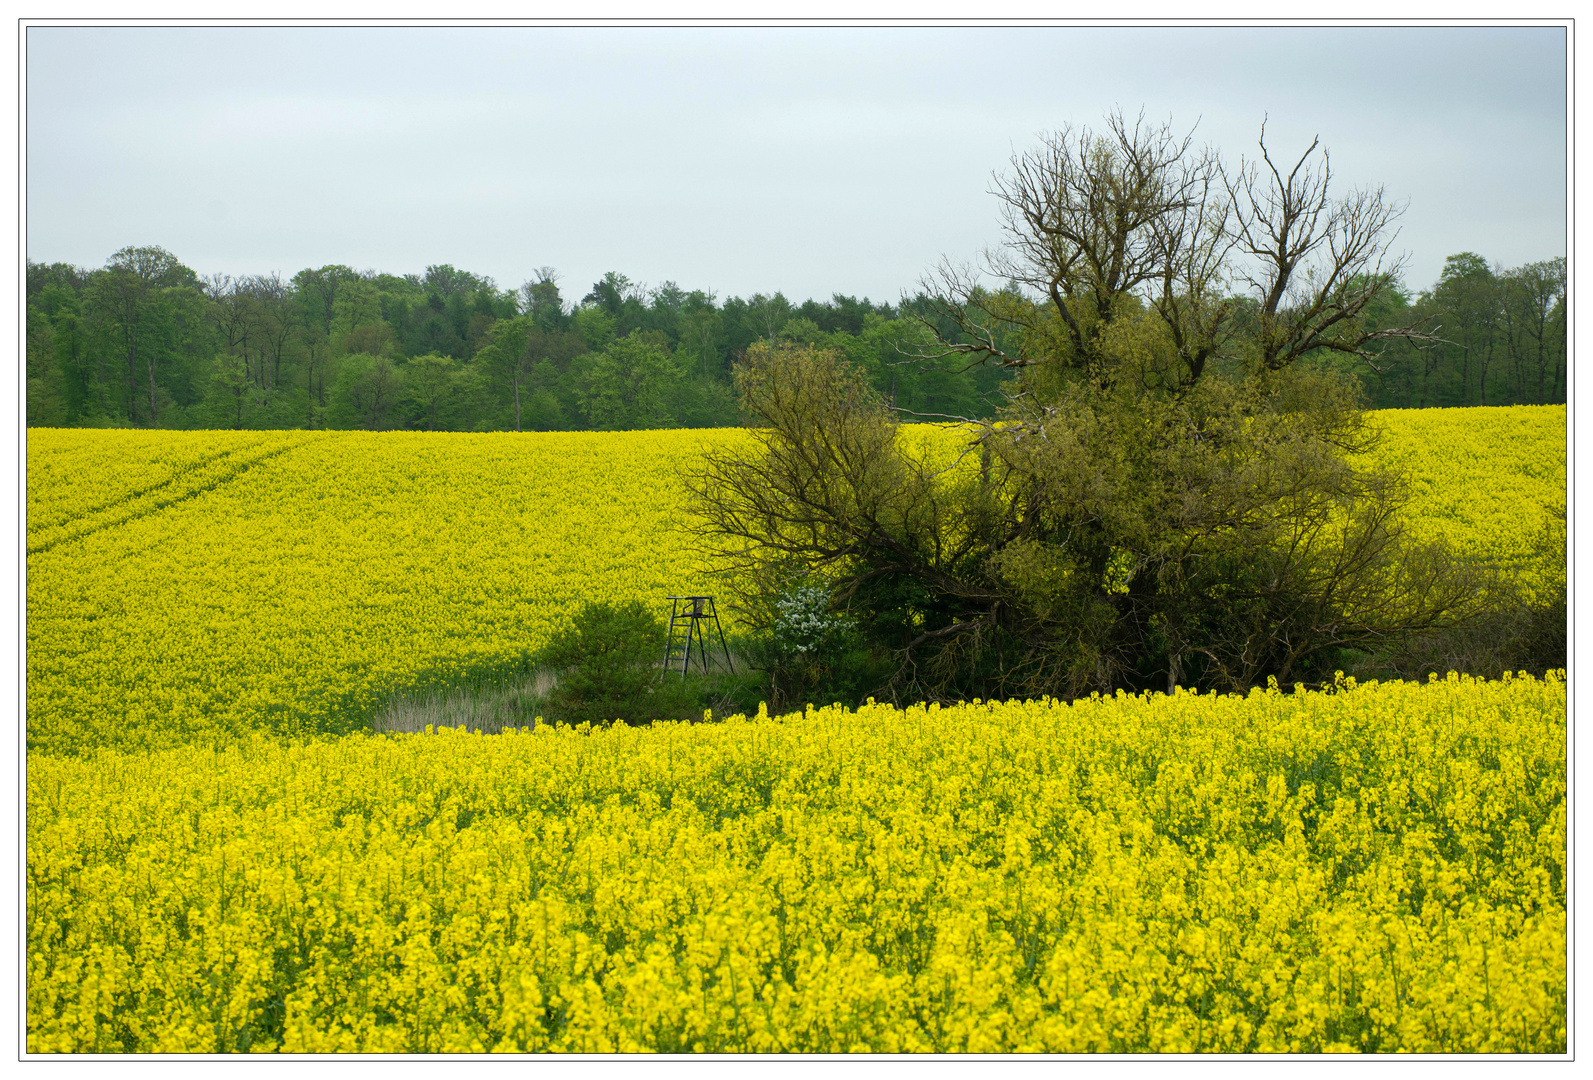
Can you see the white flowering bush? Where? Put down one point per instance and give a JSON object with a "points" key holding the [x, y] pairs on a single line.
{"points": [[804, 623], [809, 652]]}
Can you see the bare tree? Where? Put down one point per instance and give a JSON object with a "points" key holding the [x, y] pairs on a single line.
{"points": [[1313, 264], [1093, 219], [1106, 225]]}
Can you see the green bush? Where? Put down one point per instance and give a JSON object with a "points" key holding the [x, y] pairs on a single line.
{"points": [[607, 665], [606, 662]]}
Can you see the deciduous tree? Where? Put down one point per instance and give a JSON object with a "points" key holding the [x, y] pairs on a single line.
{"points": [[1170, 496], [627, 386], [130, 293]]}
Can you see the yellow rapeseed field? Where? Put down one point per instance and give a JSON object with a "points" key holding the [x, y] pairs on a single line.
{"points": [[1483, 479], [180, 583], [1380, 868], [1375, 868], [185, 583]]}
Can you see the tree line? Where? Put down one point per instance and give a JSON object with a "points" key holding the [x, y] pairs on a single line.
{"points": [[145, 341], [1500, 338]]}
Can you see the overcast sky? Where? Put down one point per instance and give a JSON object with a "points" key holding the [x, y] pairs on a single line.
{"points": [[810, 161]]}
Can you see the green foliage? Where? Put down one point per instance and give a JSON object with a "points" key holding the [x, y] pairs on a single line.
{"points": [[595, 326], [811, 653], [1501, 339], [1095, 539], [143, 341], [366, 393], [608, 664], [432, 382], [704, 403], [606, 661], [630, 384]]}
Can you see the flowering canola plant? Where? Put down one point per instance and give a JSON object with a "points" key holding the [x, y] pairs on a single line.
{"points": [[1373, 868], [183, 585]]}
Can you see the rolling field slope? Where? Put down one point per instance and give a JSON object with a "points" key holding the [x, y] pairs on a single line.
{"points": [[182, 582], [1376, 868]]}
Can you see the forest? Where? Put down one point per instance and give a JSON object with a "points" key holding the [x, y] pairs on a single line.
{"points": [[145, 341]]}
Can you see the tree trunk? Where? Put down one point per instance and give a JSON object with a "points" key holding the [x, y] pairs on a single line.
{"points": [[132, 379], [1542, 367], [517, 402]]}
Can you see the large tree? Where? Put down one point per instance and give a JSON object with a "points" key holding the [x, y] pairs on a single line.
{"points": [[1171, 494], [1540, 293], [1470, 298], [628, 385], [132, 293], [520, 349], [430, 380], [318, 292], [540, 299]]}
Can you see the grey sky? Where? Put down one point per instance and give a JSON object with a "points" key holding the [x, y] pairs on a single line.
{"points": [[806, 160]]}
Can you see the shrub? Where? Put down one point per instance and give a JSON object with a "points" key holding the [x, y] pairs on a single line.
{"points": [[811, 653], [606, 661]]}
